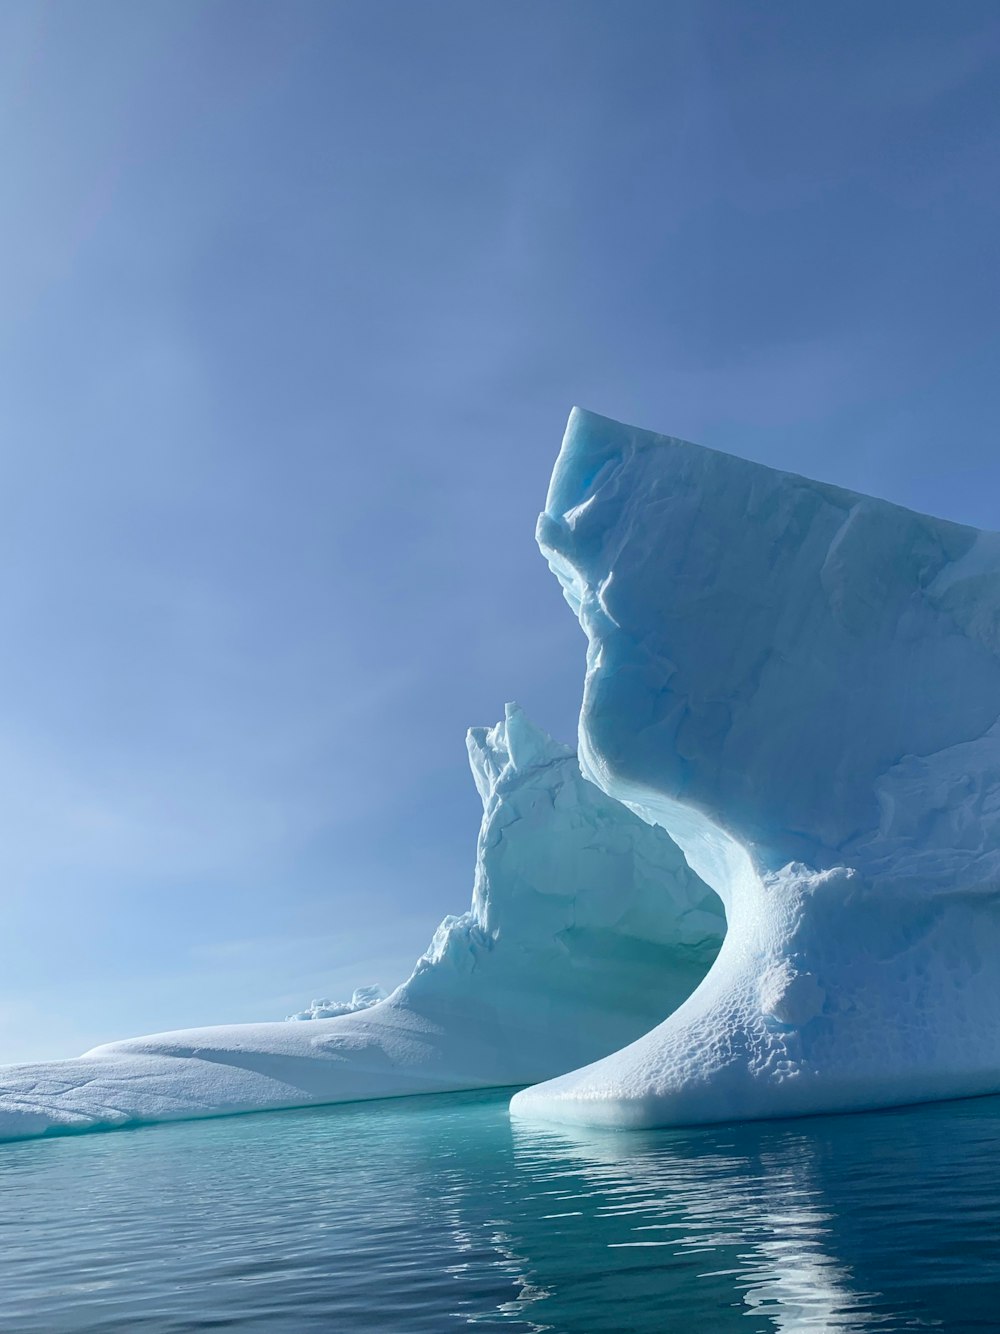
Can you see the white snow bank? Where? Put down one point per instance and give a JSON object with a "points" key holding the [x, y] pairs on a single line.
{"points": [[802, 686], [586, 927]]}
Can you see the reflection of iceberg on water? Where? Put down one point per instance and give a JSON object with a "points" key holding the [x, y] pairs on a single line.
{"points": [[586, 926], [750, 1217], [788, 1226]]}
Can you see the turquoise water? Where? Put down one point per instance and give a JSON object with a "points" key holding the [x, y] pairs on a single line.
{"points": [[438, 1214]]}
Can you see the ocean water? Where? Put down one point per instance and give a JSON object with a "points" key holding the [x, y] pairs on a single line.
{"points": [[439, 1214]]}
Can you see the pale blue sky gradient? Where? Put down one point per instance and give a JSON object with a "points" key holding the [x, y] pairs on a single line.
{"points": [[294, 300]]}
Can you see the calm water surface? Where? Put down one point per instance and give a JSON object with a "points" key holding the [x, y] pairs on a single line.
{"points": [[437, 1214]]}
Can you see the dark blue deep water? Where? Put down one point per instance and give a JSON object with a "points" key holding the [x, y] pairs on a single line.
{"points": [[438, 1214]]}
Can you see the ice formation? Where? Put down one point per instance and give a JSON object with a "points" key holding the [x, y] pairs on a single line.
{"points": [[363, 998], [586, 926], [802, 685]]}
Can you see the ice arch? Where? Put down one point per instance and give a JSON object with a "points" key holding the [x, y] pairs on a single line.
{"points": [[802, 685]]}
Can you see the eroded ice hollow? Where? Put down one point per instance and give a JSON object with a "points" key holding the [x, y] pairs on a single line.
{"points": [[802, 685], [586, 926]]}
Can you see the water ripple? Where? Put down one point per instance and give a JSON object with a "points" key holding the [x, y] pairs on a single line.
{"points": [[435, 1214]]}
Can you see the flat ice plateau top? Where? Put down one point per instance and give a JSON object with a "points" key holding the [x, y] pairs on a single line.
{"points": [[586, 927], [802, 686]]}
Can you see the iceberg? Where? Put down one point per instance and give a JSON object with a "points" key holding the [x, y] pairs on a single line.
{"points": [[801, 685], [586, 927]]}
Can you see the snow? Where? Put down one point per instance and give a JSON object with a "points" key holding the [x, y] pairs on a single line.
{"points": [[362, 998], [802, 686], [586, 926]]}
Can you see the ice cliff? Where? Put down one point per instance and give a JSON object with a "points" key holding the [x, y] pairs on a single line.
{"points": [[802, 686], [586, 927]]}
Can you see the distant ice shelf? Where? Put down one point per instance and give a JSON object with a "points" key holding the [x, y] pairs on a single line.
{"points": [[801, 685], [586, 927]]}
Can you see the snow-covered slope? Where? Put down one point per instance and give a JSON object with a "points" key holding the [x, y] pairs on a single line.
{"points": [[586, 927], [802, 685]]}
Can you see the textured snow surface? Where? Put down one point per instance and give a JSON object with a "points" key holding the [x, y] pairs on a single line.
{"points": [[586, 927], [802, 685], [362, 999]]}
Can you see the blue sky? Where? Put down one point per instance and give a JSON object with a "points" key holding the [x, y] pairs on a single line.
{"points": [[295, 300]]}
